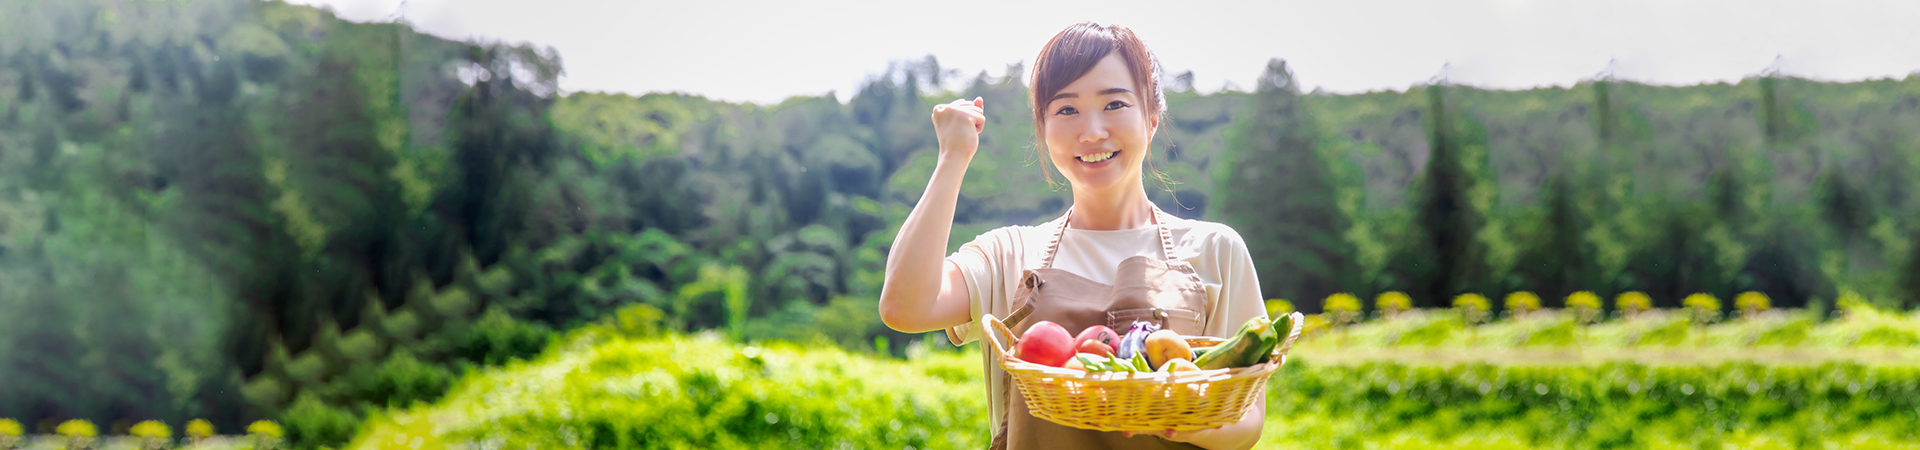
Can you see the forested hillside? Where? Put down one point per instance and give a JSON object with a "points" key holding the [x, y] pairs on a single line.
{"points": [[222, 208]]}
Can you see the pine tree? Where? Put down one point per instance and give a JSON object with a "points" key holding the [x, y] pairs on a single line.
{"points": [[1446, 210], [1280, 194]]}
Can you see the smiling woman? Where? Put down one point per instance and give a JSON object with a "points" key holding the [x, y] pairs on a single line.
{"points": [[1111, 260]]}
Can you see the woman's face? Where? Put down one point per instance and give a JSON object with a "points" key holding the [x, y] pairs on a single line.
{"points": [[1097, 128]]}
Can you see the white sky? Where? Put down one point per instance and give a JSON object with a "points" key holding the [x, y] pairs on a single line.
{"points": [[766, 51]]}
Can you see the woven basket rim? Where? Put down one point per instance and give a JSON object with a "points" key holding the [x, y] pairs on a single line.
{"points": [[996, 328]]}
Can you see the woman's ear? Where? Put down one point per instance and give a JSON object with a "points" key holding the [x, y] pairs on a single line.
{"points": [[1153, 126]]}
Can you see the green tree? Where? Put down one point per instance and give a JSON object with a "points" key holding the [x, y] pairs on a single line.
{"points": [[1282, 194], [1447, 208]]}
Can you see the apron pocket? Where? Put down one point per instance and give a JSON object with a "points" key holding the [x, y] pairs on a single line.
{"points": [[1183, 321]]}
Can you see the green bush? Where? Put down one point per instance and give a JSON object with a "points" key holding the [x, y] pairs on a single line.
{"points": [[403, 379], [604, 390], [497, 338], [310, 423], [1868, 331], [1612, 405]]}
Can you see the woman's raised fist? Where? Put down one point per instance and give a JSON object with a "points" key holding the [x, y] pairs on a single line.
{"points": [[958, 125]]}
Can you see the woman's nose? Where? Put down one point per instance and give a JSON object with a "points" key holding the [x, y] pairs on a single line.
{"points": [[1095, 130]]}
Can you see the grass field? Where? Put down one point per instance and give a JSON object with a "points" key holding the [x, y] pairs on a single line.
{"points": [[612, 392], [1420, 380]]}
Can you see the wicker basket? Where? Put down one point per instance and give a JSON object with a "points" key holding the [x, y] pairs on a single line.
{"points": [[1121, 401]]}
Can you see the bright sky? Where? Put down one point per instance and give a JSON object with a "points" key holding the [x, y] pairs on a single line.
{"points": [[766, 51]]}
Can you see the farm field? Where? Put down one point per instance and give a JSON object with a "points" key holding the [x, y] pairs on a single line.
{"points": [[603, 390], [1422, 379]]}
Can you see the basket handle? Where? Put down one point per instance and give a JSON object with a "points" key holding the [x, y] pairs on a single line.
{"points": [[1286, 343], [1001, 337]]}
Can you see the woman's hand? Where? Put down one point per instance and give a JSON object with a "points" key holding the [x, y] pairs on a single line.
{"points": [[1239, 435], [958, 127], [1171, 435]]}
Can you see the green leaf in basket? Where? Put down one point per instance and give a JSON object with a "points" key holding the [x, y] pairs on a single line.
{"points": [[1093, 363], [1140, 363]]}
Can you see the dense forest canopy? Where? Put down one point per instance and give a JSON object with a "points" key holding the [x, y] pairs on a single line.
{"points": [[227, 209]]}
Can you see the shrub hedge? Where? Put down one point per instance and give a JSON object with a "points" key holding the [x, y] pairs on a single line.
{"points": [[600, 390], [608, 391], [1610, 405]]}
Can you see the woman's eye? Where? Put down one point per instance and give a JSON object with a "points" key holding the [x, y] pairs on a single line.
{"points": [[1116, 105], [1067, 111]]}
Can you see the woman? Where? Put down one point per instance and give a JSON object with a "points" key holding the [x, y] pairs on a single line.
{"points": [[1112, 259]]}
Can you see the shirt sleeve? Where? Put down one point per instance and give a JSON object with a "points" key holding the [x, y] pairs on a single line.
{"points": [[1239, 299], [979, 262]]}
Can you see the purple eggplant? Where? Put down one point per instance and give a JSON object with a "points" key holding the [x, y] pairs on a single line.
{"points": [[1135, 341]]}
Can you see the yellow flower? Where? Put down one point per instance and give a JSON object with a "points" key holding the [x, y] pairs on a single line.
{"points": [[1633, 301], [1752, 301], [1522, 301], [1278, 307], [1473, 307], [1474, 302], [151, 429], [77, 428], [8, 427], [1344, 307], [1343, 302], [1583, 299], [1393, 301], [265, 428], [199, 429], [1702, 301], [1702, 307]]}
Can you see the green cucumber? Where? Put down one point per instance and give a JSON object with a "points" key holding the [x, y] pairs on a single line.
{"points": [[1282, 326], [1251, 345]]}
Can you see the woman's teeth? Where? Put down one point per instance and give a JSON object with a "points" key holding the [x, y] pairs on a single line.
{"points": [[1097, 157]]}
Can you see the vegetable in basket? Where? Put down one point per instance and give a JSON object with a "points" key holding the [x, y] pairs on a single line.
{"points": [[1097, 333], [1095, 347], [1178, 365], [1166, 345], [1097, 363], [1136, 339], [1253, 344], [1045, 343]]}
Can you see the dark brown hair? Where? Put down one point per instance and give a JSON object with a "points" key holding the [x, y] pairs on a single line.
{"points": [[1073, 52]]}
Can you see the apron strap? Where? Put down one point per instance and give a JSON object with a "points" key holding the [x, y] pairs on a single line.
{"points": [[1166, 235], [1053, 244]]}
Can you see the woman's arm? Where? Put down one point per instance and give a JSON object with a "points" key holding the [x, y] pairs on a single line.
{"points": [[922, 292], [1240, 435]]}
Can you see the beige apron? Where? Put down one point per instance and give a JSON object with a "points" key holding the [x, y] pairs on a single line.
{"points": [[1163, 291]]}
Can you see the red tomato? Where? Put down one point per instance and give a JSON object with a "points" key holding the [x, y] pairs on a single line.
{"points": [[1095, 347], [1045, 343], [1098, 333]]}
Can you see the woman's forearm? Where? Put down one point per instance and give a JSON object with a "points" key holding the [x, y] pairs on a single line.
{"points": [[1239, 435], [914, 262]]}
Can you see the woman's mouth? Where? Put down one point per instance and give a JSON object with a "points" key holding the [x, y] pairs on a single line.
{"points": [[1098, 157]]}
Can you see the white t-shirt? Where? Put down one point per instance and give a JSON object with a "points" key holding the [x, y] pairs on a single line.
{"points": [[993, 262]]}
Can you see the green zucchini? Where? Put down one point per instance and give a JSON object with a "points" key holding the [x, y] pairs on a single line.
{"points": [[1251, 345], [1282, 326]]}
